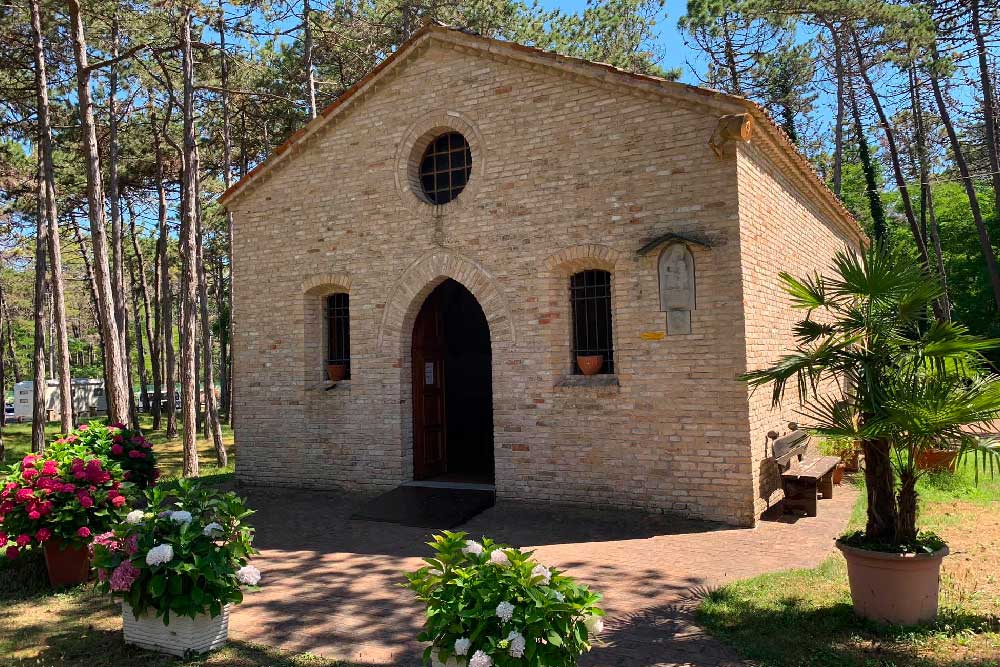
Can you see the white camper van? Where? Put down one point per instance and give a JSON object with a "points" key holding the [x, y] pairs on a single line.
{"points": [[88, 399]]}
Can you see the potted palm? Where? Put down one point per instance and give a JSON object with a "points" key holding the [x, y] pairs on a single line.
{"points": [[872, 364]]}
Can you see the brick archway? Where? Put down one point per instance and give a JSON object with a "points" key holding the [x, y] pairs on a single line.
{"points": [[420, 279]]}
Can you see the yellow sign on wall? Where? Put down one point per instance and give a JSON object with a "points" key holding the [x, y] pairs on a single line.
{"points": [[652, 335]]}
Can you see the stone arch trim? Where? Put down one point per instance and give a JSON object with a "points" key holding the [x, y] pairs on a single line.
{"points": [[330, 282], [428, 272], [584, 256]]}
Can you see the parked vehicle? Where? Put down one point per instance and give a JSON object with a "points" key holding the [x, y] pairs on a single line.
{"points": [[8, 414], [88, 399]]}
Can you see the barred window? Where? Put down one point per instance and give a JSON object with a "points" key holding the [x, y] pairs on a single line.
{"points": [[590, 297], [338, 331], [445, 167]]}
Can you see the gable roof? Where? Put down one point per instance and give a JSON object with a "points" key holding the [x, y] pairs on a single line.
{"points": [[776, 143]]}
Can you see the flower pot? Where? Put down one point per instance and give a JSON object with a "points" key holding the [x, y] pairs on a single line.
{"points": [[67, 566], [198, 635], [937, 459], [838, 473], [901, 589], [336, 372], [851, 460], [590, 364]]}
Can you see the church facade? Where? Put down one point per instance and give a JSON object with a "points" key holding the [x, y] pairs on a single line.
{"points": [[486, 264]]}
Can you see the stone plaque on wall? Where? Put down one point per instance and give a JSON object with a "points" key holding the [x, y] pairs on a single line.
{"points": [[677, 287]]}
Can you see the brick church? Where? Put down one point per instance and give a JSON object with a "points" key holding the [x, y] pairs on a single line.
{"points": [[423, 274]]}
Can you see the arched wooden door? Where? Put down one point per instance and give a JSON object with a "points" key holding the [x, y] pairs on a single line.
{"points": [[429, 423]]}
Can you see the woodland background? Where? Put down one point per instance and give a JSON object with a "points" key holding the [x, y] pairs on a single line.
{"points": [[121, 123]]}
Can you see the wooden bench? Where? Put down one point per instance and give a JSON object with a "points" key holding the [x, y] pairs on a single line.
{"points": [[803, 477]]}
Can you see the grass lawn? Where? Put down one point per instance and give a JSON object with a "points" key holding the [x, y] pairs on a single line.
{"points": [[81, 627], [803, 618]]}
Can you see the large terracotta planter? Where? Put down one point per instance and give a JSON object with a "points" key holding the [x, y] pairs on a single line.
{"points": [[590, 364], [198, 635], [67, 566], [937, 459], [336, 372], [901, 589]]}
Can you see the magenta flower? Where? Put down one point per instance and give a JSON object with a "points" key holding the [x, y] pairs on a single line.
{"points": [[136, 454], [83, 531], [117, 450], [43, 534], [86, 501], [23, 540], [124, 576], [83, 427], [34, 515], [118, 501], [50, 468], [13, 552]]}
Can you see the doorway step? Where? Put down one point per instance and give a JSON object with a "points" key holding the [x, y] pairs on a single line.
{"points": [[441, 505]]}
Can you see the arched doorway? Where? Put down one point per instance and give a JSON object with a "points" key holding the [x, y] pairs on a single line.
{"points": [[452, 388]]}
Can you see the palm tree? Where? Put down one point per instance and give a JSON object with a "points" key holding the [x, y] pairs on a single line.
{"points": [[872, 364]]}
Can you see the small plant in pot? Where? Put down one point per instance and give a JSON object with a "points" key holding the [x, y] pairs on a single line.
{"points": [[58, 501], [177, 566], [488, 604], [877, 367]]}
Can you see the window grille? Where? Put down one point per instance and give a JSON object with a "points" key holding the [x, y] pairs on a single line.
{"points": [[338, 331], [445, 168], [590, 297]]}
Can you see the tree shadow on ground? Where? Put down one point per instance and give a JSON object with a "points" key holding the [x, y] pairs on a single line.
{"points": [[790, 632]]}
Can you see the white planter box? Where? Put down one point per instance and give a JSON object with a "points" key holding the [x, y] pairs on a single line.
{"points": [[183, 635]]}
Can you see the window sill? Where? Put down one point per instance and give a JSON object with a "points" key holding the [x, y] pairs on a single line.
{"points": [[598, 381], [326, 385]]}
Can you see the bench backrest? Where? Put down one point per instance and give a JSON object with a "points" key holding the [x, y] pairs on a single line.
{"points": [[790, 446]]}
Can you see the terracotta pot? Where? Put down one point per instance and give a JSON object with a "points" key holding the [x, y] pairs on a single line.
{"points": [[336, 372], [838, 473], [66, 567], [901, 589], [851, 460], [590, 364], [937, 459]]}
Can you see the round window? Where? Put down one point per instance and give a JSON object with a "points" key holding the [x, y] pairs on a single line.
{"points": [[445, 167]]}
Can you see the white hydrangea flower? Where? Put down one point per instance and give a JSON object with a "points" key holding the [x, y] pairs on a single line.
{"points": [[213, 529], [543, 572], [480, 659], [505, 611], [472, 547], [135, 516], [160, 554], [180, 517], [248, 575], [516, 648], [558, 596], [498, 557], [435, 572], [462, 646], [595, 625]]}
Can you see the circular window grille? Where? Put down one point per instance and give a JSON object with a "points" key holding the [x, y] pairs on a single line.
{"points": [[445, 168]]}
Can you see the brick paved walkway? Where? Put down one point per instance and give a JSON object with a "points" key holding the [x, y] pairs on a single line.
{"points": [[331, 583]]}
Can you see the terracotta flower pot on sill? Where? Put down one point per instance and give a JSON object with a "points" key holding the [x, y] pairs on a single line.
{"points": [[838, 473], [336, 372], [901, 589], [590, 364], [67, 566]]}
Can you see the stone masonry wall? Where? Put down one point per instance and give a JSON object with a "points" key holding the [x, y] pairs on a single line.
{"points": [[568, 173], [781, 229]]}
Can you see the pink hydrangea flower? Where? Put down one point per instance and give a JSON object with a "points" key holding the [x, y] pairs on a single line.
{"points": [[13, 552], [3, 538], [34, 515], [29, 461], [117, 425], [83, 427], [83, 531], [118, 501], [50, 468], [117, 450], [86, 501], [43, 534], [123, 576], [23, 540], [136, 454]]}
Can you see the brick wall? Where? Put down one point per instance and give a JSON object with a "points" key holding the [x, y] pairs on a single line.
{"points": [[569, 173], [781, 229]]}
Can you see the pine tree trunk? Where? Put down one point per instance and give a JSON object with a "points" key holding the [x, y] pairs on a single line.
{"points": [[92, 286], [147, 309], [188, 251], [868, 168], [61, 341], [165, 326], [14, 367], [890, 139], [39, 415], [227, 159], [117, 390], [307, 56], [115, 207], [140, 353], [989, 103], [838, 130], [985, 243]]}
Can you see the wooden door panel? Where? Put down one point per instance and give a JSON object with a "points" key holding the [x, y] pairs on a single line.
{"points": [[429, 434]]}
